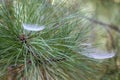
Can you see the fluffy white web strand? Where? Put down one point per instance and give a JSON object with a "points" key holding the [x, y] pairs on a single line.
{"points": [[98, 54], [32, 27]]}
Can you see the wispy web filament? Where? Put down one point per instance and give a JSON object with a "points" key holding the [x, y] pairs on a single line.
{"points": [[98, 54], [32, 27]]}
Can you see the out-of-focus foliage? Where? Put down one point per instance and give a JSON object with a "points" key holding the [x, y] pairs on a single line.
{"points": [[107, 11]]}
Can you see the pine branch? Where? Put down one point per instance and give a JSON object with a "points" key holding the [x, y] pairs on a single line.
{"points": [[45, 48]]}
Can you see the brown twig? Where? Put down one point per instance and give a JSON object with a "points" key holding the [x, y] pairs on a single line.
{"points": [[13, 72], [114, 27]]}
